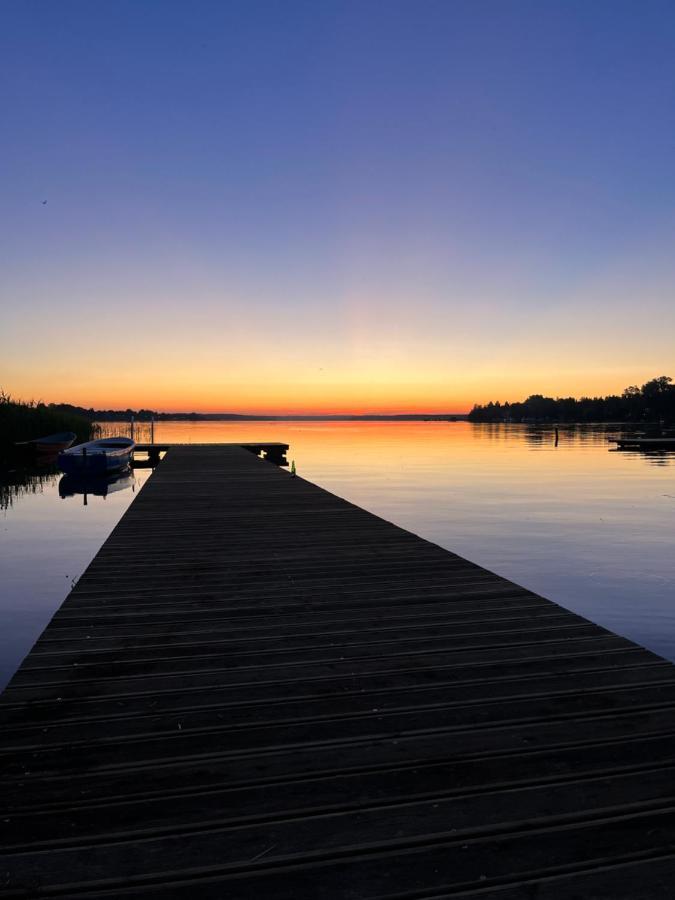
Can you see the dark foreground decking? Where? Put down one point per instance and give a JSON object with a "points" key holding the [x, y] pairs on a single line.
{"points": [[259, 691]]}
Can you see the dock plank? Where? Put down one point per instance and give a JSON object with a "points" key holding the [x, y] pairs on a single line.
{"points": [[258, 689]]}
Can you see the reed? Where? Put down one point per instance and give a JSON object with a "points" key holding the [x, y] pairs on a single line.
{"points": [[22, 420]]}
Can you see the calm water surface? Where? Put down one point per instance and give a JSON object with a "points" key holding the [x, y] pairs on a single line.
{"points": [[589, 528]]}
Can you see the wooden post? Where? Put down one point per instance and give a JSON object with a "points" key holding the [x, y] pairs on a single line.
{"points": [[131, 429], [152, 429], [84, 467]]}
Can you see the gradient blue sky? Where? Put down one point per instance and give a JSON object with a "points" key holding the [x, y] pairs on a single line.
{"points": [[307, 206]]}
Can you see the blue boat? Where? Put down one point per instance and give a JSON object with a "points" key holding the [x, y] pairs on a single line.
{"points": [[97, 457]]}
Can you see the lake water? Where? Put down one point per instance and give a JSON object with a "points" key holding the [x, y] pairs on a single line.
{"points": [[588, 527]]}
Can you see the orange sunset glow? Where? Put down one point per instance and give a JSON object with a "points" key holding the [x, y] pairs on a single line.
{"points": [[184, 369], [266, 230]]}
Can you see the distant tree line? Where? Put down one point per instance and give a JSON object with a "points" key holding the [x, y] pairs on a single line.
{"points": [[146, 415], [140, 415], [653, 402]]}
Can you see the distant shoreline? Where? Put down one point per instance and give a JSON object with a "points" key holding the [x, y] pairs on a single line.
{"points": [[653, 402], [233, 417]]}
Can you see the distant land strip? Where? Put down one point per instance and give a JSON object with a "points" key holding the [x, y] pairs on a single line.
{"points": [[146, 415]]}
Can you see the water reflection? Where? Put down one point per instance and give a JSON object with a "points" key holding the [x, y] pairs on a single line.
{"points": [[46, 543], [74, 485], [652, 457], [18, 483]]}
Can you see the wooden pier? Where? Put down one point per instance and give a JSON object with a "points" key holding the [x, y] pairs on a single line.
{"points": [[258, 690]]}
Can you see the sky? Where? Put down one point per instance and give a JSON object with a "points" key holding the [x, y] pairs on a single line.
{"points": [[335, 206]]}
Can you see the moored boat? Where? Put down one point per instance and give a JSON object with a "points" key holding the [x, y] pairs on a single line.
{"points": [[97, 457], [50, 443]]}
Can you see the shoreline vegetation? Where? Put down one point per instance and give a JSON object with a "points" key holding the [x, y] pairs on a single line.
{"points": [[148, 415], [654, 403], [22, 420]]}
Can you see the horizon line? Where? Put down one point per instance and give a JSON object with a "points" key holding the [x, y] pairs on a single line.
{"points": [[289, 416]]}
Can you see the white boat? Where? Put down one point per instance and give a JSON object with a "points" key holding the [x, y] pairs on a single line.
{"points": [[97, 457]]}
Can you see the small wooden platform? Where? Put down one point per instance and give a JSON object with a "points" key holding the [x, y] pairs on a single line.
{"points": [[257, 690], [644, 443]]}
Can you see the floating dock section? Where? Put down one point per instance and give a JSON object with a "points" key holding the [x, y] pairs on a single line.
{"points": [[258, 691], [644, 443]]}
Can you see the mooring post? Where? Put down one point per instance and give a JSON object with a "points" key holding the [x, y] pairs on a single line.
{"points": [[152, 429], [131, 428]]}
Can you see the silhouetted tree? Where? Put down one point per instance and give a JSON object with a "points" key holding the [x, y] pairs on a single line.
{"points": [[653, 402]]}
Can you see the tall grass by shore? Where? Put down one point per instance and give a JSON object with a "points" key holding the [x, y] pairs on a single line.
{"points": [[23, 421]]}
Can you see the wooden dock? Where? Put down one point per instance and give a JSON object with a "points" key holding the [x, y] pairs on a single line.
{"points": [[258, 690]]}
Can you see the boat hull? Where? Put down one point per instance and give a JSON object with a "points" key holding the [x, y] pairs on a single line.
{"points": [[92, 464], [97, 457], [46, 448]]}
